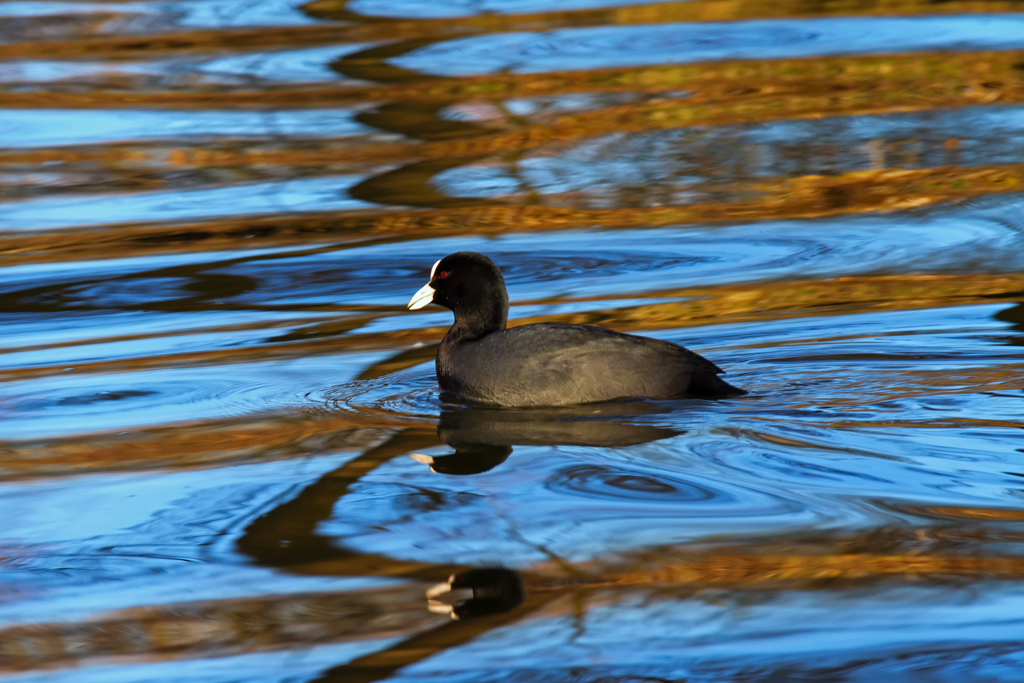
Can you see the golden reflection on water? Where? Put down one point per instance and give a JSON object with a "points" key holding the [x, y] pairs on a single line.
{"points": [[398, 132]]}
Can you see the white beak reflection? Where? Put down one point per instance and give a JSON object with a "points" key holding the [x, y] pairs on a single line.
{"points": [[442, 599]]}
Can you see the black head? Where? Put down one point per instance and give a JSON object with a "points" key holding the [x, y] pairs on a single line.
{"points": [[472, 287]]}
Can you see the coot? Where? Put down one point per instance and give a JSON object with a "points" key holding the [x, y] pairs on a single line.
{"points": [[548, 364]]}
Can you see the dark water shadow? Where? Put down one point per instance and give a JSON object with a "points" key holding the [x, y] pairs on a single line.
{"points": [[372, 63], [339, 12], [419, 120], [288, 537], [412, 185], [185, 288], [1015, 316]]}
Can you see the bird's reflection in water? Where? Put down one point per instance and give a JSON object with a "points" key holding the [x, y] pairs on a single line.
{"points": [[483, 437]]}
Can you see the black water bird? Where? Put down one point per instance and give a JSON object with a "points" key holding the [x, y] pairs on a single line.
{"points": [[548, 364]]}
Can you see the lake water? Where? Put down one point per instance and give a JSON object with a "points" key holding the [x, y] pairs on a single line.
{"points": [[225, 457]]}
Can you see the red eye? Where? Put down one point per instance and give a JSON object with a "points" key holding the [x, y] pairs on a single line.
{"points": [[443, 274]]}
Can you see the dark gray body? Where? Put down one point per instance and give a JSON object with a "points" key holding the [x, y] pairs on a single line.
{"points": [[554, 364]]}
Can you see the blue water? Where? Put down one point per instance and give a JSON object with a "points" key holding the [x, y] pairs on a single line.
{"points": [[225, 455]]}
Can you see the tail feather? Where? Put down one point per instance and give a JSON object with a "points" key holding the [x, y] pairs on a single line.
{"points": [[710, 385]]}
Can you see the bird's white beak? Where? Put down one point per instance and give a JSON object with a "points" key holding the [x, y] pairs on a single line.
{"points": [[422, 297], [426, 293]]}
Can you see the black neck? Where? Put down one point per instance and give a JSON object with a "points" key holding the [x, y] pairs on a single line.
{"points": [[479, 320]]}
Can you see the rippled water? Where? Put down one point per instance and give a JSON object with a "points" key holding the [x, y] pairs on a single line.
{"points": [[225, 455]]}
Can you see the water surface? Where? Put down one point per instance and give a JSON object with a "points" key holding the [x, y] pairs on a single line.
{"points": [[225, 455]]}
